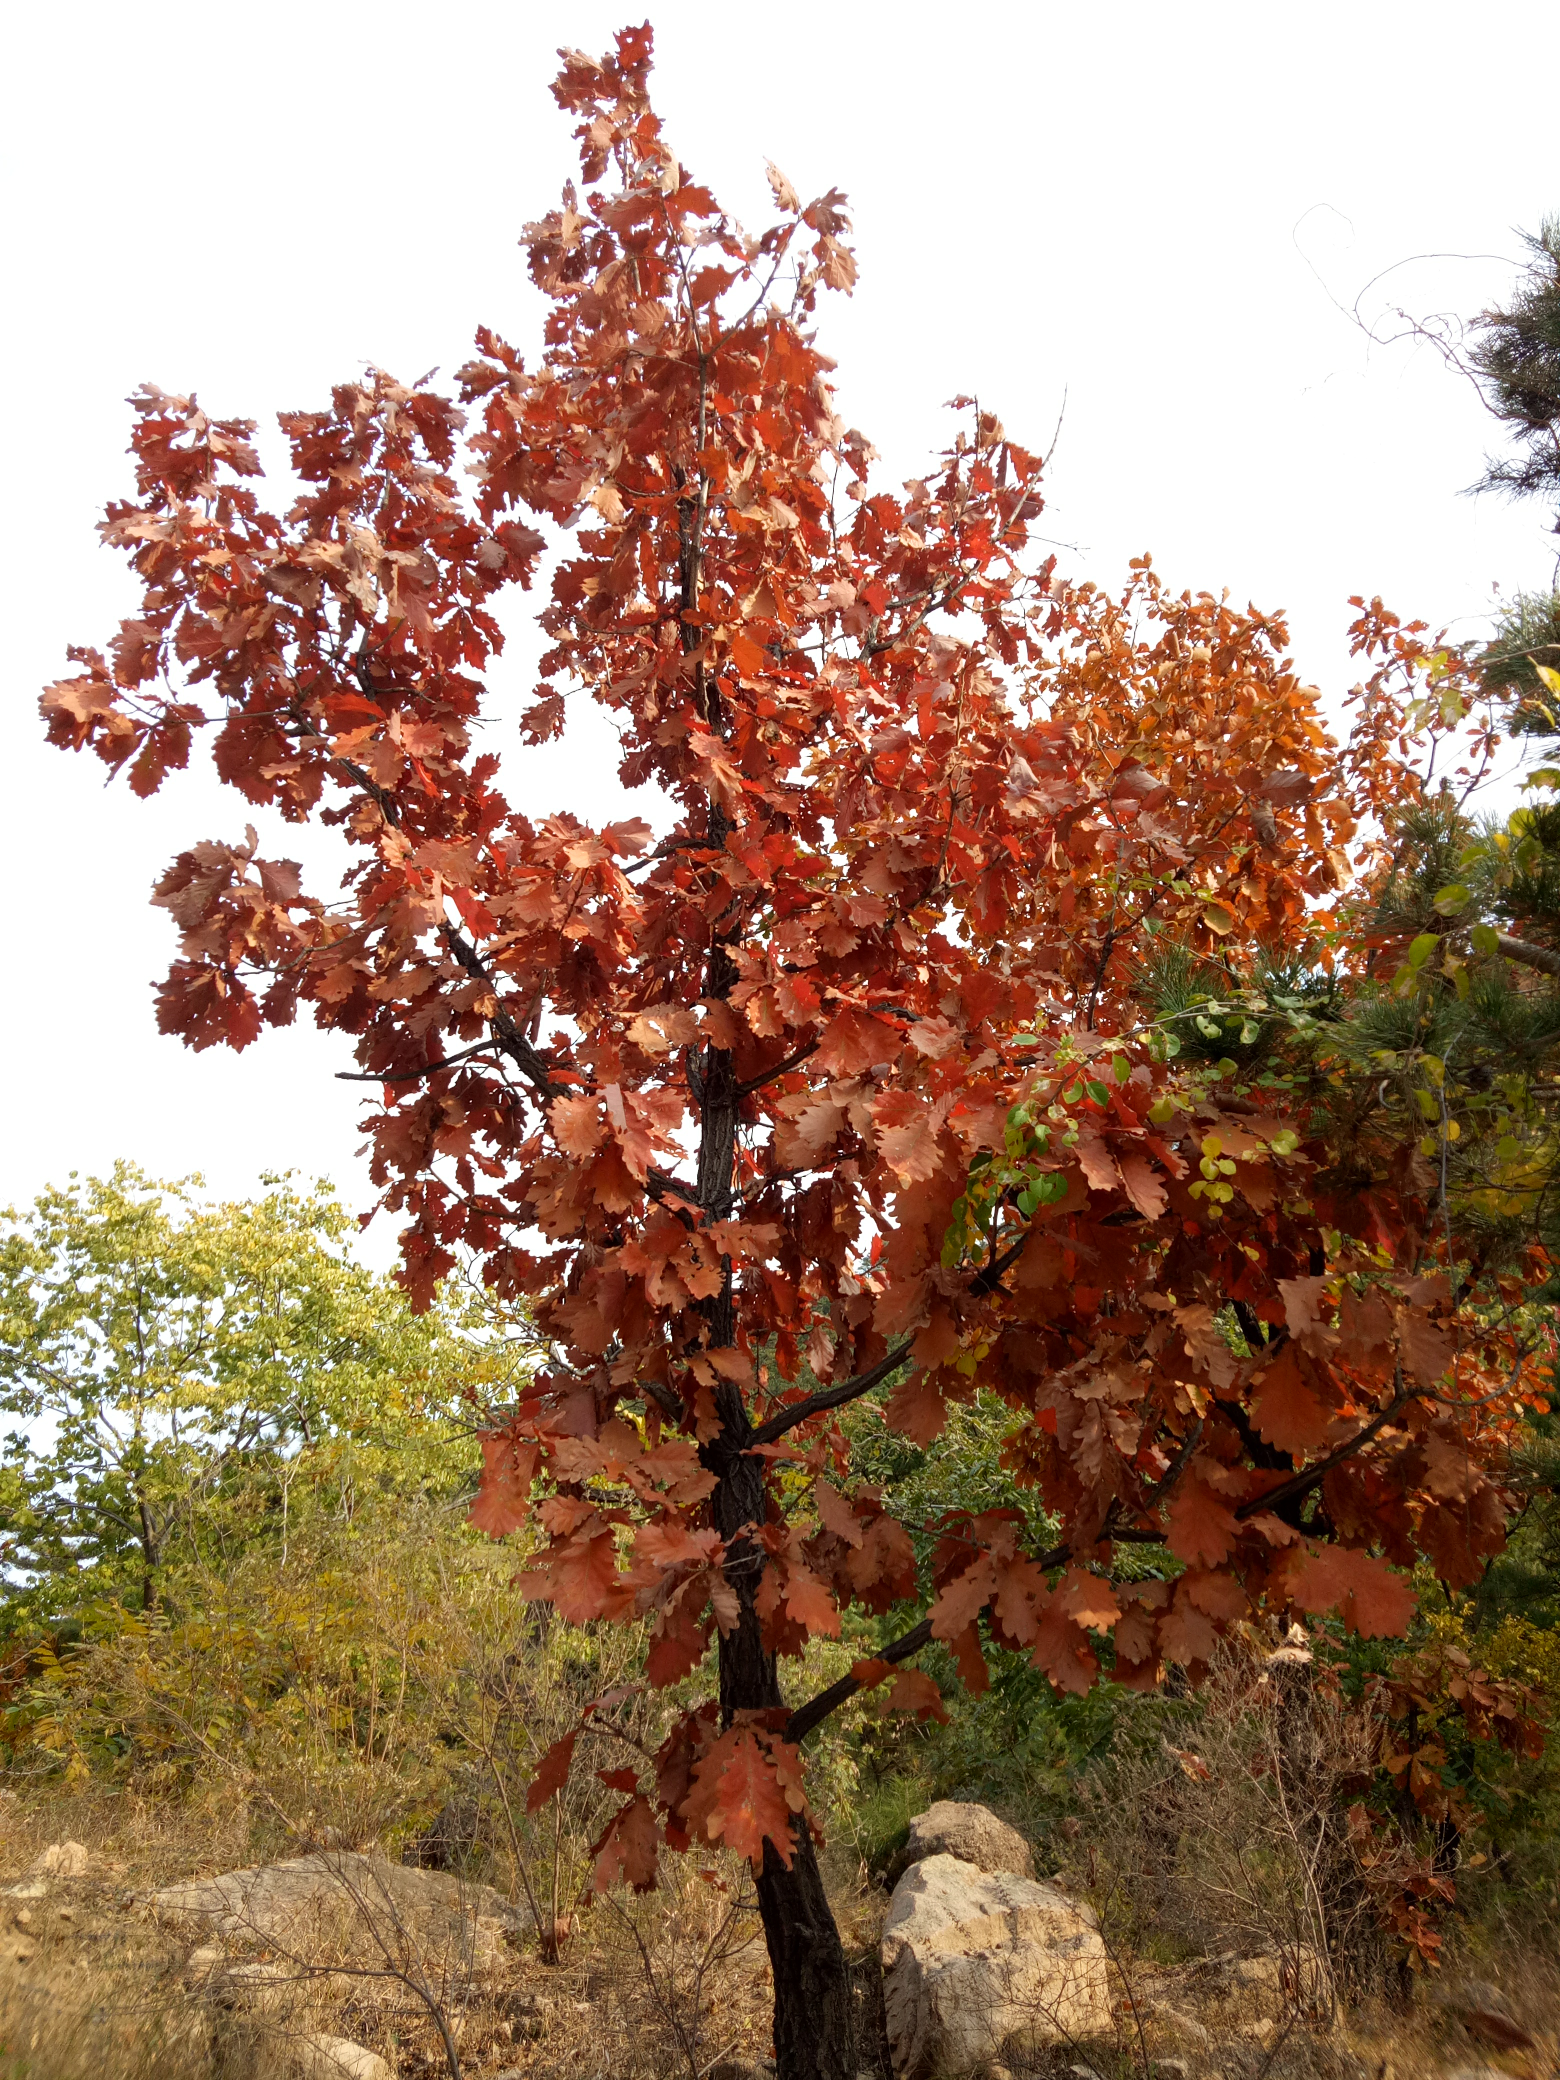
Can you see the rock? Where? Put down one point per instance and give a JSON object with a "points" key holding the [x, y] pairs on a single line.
{"points": [[1184, 2025], [30, 1888], [1294, 1976], [205, 1963], [977, 1962], [972, 1833], [1173, 2068], [318, 2057], [344, 1896], [60, 1860]]}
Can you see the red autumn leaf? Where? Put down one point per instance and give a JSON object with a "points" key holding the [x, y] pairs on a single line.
{"points": [[1061, 1649], [503, 1499], [1202, 1529], [961, 1599], [836, 1514], [906, 1131], [854, 1040], [1285, 1409], [972, 1662], [916, 1408], [583, 1579], [578, 1126], [737, 1797], [915, 1692], [627, 1850], [808, 1601], [552, 1772], [1144, 1188], [870, 1673], [1373, 1599], [1088, 1601]]}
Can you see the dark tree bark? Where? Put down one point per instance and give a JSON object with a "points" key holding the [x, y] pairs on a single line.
{"points": [[814, 2022]]}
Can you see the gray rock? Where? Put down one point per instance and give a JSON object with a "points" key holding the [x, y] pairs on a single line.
{"points": [[973, 1833], [1185, 2026], [978, 1965], [60, 1860], [341, 1896], [320, 2057]]}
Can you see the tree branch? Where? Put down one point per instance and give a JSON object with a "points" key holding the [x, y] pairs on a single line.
{"points": [[507, 1035], [817, 1709], [412, 1075], [1527, 954], [1311, 1476], [756, 1083], [812, 1714], [831, 1397]]}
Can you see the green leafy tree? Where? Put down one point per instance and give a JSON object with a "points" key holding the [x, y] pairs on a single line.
{"points": [[173, 1365]]}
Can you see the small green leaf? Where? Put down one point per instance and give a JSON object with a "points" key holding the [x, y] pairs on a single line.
{"points": [[1121, 1068], [1484, 939], [1421, 950], [1451, 900], [1072, 1094], [1162, 1111], [1099, 1094]]}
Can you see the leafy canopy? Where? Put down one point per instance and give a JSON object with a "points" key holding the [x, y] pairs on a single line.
{"points": [[855, 1082]]}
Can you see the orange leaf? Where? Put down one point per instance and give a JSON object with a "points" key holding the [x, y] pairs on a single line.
{"points": [[552, 1772], [737, 1797], [1372, 1598], [1285, 1410], [907, 1134], [577, 1126], [627, 1849], [854, 1040], [1202, 1528], [916, 1408], [914, 1692], [972, 1662], [1144, 1187]]}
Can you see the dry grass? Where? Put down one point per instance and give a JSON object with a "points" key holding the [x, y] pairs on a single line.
{"points": [[95, 1984]]}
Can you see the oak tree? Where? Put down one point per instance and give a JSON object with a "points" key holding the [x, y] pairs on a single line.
{"points": [[852, 1086]]}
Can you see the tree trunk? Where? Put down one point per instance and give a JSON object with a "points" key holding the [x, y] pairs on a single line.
{"points": [[150, 1556], [814, 2022]]}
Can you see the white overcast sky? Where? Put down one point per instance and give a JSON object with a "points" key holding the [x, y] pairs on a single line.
{"points": [[1142, 207]]}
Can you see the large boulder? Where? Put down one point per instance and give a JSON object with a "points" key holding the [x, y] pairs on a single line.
{"points": [[972, 1833], [982, 1966], [312, 1903]]}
